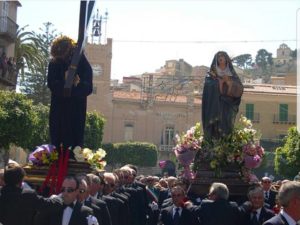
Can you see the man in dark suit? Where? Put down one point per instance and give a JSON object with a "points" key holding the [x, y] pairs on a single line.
{"points": [[73, 212], [253, 211], [217, 210], [289, 199], [99, 207], [177, 214], [17, 205], [269, 194]]}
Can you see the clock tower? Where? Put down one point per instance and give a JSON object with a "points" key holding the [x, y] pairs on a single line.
{"points": [[99, 57]]}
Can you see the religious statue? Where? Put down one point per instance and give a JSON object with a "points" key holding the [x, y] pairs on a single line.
{"points": [[221, 98], [68, 112]]}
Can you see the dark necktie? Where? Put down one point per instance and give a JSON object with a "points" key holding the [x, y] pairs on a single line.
{"points": [[266, 195], [254, 220], [176, 216]]}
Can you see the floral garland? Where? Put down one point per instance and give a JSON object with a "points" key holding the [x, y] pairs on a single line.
{"points": [[43, 155], [240, 148], [95, 159], [47, 154]]}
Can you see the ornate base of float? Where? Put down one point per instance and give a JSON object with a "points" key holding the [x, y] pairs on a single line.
{"points": [[35, 176], [230, 176]]}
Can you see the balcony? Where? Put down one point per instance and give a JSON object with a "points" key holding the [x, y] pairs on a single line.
{"points": [[290, 119], [255, 119], [166, 148], [8, 29], [8, 78]]}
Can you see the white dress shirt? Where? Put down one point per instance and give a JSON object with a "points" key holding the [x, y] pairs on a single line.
{"points": [[67, 215], [289, 219]]}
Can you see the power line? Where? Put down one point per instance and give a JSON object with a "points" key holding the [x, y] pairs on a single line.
{"points": [[202, 42]]}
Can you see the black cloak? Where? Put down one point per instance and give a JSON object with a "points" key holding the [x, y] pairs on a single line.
{"points": [[218, 111], [68, 114]]}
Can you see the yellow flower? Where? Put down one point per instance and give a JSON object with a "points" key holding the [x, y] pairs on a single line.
{"points": [[213, 164]]}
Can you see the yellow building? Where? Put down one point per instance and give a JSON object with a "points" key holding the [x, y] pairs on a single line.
{"points": [[8, 30]]}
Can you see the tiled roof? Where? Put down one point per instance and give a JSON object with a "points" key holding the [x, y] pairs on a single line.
{"points": [[136, 96]]}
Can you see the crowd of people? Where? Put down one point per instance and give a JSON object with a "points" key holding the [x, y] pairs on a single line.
{"points": [[7, 64], [123, 198]]}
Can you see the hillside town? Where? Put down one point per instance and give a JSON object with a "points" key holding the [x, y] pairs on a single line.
{"points": [[179, 145]]}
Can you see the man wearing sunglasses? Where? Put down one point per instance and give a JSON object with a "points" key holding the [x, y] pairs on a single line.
{"points": [[73, 212]]}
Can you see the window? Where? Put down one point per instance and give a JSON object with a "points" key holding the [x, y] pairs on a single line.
{"points": [[283, 112], [5, 8], [4, 11], [169, 135], [250, 111], [128, 133]]}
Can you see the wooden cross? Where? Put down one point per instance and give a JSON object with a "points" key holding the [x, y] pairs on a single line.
{"points": [[86, 9]]}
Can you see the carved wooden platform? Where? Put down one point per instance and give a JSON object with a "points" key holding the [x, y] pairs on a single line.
{"points": [[229, 176], [36, 175]]}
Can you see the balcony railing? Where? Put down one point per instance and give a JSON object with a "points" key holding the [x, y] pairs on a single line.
{"points": [[290, 119], [255, 119], [9, 78], [8, 28], [166, 148]]}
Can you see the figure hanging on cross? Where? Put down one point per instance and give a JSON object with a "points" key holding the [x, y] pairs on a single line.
{"points": [[67, 113], [70, 80]]}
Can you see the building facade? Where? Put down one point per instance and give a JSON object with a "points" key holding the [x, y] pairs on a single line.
{"points": [[8, 32]]}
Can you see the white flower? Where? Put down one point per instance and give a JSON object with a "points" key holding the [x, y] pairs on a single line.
{"points": [[87, 152], [77, 150], [92, 220], [101, 153]]}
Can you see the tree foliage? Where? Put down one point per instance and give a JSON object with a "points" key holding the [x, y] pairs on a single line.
{"points": [[243, 61], [41, 132], [264, 62], [137, 153], [18, 120], [26, 51], [263, 59], [34, 84], [287, 157], [93, 130]]}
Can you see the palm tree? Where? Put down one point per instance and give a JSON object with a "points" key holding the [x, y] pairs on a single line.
{"points": [[27, 54]]}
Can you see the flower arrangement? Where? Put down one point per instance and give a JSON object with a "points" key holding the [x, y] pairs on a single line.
{"points": [[240, 148], [43, 155], [95, 159], [186, 148]]}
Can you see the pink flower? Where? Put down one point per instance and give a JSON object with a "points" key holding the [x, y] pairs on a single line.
{"points": [[162, 164]]}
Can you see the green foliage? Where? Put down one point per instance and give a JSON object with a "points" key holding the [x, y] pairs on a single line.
{"points": [[41, 132], [137, 153], [263, 58], [34, 84], [26, 51], [243, 61], [264, 61], [287, 158], [93, 130], [18, 120], [112, 154]]}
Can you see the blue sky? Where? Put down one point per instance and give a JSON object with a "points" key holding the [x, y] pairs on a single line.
{"points": [[146, 33]]}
